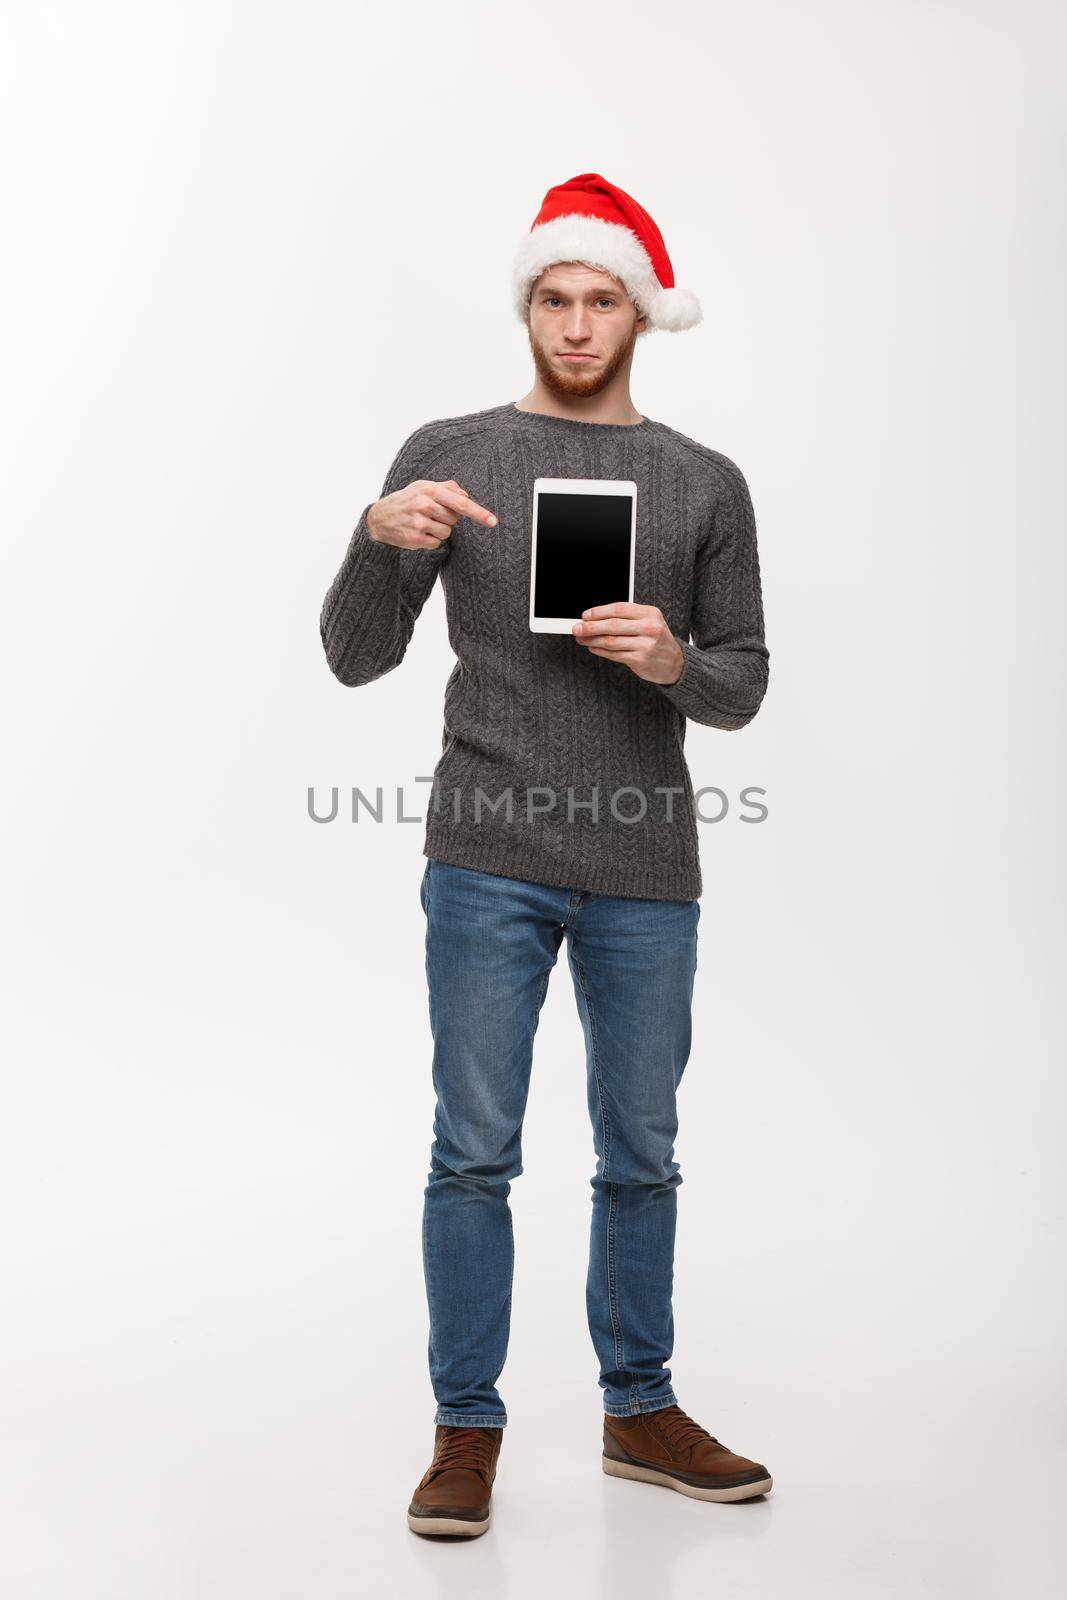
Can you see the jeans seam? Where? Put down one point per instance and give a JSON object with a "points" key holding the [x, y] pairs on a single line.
{"points": [[507, 1302], [613, 1192]]}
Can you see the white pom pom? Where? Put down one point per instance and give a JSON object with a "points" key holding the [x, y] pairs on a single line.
{"points": [[674, 310]]}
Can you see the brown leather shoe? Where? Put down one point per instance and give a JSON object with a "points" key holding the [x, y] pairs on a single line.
{"points": [[668, 1447], [455, 1491]]}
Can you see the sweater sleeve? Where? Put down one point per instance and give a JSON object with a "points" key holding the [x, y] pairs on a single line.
{"points": [[370, 609], [725, 673]]}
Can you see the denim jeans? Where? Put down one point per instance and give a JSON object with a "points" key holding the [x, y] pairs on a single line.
{"points": [[491, 944]]}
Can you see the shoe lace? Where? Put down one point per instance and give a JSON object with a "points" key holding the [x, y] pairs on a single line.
{"points": [[463, 1447], [679, 1429]]}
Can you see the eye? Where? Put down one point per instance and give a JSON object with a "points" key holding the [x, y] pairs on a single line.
{"points": [[606, 299]]}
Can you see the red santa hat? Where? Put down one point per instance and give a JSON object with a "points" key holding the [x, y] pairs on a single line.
{"points": [[588, 219]]}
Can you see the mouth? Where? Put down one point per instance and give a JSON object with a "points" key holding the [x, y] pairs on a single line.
{"points": [[567, 355]]}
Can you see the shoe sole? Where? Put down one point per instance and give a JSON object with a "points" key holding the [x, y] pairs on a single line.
{"points": [[738, 1491], [461, 1525]]}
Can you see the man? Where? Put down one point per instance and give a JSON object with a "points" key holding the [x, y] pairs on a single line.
{"points": [[534, 835]]}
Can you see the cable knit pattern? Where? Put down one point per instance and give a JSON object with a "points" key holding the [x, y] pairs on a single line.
{"points": [[536, 713]]}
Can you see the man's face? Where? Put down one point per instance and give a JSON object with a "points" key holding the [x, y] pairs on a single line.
{"points": [[582, 328]]}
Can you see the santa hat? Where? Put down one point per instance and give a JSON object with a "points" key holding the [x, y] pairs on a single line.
{"points": [[588, 219]]}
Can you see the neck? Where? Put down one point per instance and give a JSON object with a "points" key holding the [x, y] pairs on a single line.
{"points": [[612, 404]]}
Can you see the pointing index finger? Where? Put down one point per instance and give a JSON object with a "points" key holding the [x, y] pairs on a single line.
{"points": [[457, 499]]}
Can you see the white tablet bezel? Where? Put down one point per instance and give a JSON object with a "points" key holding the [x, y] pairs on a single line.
{"points": [[620, 486]]}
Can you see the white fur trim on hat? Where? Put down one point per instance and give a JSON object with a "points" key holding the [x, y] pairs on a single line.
{"points": [[613, 248], [674, 310]]}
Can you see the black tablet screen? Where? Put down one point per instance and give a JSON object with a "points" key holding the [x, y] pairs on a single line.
{"points": [[583, 552]]}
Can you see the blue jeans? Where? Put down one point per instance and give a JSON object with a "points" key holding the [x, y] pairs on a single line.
{"points": [[491, 944]]}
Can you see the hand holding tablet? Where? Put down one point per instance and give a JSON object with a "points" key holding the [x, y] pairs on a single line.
{"points": [[636, 636]]}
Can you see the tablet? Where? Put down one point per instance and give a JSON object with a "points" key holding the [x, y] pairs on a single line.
{"points": [[582, 555]]}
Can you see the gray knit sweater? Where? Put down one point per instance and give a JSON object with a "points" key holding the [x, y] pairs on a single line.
{"points": [[556, 765]]}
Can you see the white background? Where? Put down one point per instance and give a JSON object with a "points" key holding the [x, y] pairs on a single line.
{"points": [[247, 250]]}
